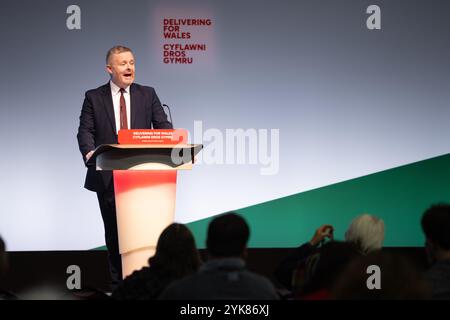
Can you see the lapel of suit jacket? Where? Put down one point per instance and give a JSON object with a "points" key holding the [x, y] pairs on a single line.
{"points": [[109, 107], [135, 104]]}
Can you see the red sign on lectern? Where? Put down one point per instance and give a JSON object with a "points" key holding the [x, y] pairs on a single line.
{"points": [[153, 136]]}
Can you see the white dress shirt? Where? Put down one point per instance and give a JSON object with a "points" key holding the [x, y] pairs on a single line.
{"points": [[115, 92]]}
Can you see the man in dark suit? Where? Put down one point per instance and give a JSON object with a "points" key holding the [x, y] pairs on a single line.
{"points": [[119, 104]]}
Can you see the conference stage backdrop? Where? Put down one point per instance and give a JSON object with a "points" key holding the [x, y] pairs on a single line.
{"points": [[311, 112]]}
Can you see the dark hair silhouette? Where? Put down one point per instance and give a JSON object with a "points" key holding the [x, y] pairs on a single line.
{"points": [[436, 225], [176, 256], [176, 251], [227, 236]]}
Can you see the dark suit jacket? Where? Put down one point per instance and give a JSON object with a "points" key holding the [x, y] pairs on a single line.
{"points": [[98, 124]]}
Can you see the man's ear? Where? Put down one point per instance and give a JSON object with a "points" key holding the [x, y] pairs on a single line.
{"points": [[108, 69]]}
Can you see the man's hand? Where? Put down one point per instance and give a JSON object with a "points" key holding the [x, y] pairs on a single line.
{"points": [[325, 231], [89, 155]]}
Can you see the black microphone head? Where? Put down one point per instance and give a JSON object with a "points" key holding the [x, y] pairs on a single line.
{"points": [[169, 113]]}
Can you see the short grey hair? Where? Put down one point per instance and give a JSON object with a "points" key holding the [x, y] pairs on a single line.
{"points": [[115, 50], [367, 232]]}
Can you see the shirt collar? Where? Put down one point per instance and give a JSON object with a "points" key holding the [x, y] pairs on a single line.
{"points": [[115, 89]]}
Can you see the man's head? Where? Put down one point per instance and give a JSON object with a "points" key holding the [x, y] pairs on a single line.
{"points": [[227, 236], [120, 65], [436, 226]]}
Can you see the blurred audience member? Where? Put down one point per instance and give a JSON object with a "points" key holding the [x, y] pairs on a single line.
{"points": [[224, 275], [397, 279], [4, 295], [285, 270], [176, 256], [365, 231], [3, 261], [436, 226], [322, 269]]}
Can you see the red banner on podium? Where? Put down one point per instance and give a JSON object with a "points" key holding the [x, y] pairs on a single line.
{"points": [[153, 136]]}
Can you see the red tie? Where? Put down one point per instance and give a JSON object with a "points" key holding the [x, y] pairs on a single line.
{"points": [[123, 111]]}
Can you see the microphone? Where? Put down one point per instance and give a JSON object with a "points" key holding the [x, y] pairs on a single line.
{"points": [[170, 114]]}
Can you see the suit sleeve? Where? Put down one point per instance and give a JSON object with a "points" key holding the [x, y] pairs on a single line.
{"points": [[159, 117], [86, 129], [285, 269]]}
